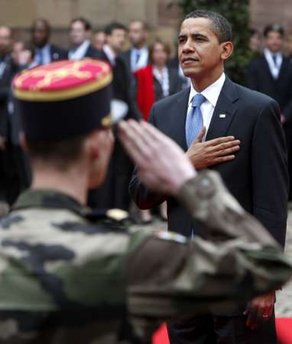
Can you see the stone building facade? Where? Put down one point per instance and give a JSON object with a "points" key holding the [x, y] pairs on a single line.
{"points": [[162, 18]]}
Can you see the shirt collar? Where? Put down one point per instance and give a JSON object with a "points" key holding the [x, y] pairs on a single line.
{"points": [[48, 198], [269, 54], [109, 53], [141, 51], [212, 92], [44, 48]]}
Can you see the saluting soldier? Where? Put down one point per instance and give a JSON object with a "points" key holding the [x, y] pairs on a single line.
{"points": [[68, 274]]}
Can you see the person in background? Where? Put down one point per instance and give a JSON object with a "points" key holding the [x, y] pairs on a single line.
{"points": [[174, 63], [22, 55], [154, 82], [138, 55], [80, 34], [8, 174], [271, 74], [45, 52], [113, 193], [255, 44], [99, 39]]}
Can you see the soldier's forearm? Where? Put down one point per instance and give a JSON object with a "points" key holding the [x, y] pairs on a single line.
{"points": [[209, 202]]}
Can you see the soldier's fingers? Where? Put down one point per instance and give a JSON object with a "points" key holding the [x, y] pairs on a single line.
{"points": [[132, 142]]}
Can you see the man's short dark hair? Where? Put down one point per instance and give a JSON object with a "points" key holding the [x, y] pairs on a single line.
{"points": [[274, 28], [44, 21], [59, 153], [86, 23], [145, 26], [221, 26], [114, 26]]}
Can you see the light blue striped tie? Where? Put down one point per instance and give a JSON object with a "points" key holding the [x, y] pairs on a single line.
{"points": [[194, 121]]}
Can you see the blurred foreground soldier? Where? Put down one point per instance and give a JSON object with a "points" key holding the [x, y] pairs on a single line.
{"points": [[69, 275]]}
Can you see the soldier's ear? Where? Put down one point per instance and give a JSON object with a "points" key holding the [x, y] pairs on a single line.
{"points": [[23, 142], [91, 146]]}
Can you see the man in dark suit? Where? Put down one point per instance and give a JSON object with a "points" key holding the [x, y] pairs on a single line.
{"points": [[271, 73], [114, 191], [138, 55], [45, 52], [256, 175], [11, 158], [80, 32]]}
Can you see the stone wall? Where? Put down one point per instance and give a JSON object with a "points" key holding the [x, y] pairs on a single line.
{"points": [[163, 19]]}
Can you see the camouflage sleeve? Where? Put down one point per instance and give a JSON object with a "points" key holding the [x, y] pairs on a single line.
{"points": [[170, 276], [208, 201]]}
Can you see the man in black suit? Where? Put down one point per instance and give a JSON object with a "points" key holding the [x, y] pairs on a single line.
{"points": [[80, 32], [138, 55], [256, 175], [11, 157], [45, 52], [114, 191], [271, 73]]}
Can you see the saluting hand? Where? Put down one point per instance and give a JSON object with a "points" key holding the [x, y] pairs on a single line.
{"points": [[161, 164], [216, 151]]}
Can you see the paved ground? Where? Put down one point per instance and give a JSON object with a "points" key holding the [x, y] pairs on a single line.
{"points": [[284, 297]]}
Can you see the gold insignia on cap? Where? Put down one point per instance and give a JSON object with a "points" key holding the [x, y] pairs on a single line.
{"points": [[41, 83], [117, 214], [107, 121]]}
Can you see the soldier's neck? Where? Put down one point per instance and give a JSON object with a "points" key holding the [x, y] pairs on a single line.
{"points": [[73, 182]]}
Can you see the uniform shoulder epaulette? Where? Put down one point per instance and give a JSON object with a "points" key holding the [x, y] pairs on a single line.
{"points": [[117, 216]]}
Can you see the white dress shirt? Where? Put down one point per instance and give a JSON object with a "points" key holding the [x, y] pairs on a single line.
{"points": [[45, 51], [163, 78], [79, 53], [211, 93], [142, 61], [274, 66], [110, 54]]}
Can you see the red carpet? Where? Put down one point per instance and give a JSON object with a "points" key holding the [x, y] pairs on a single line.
{"points": [[284, 331]]}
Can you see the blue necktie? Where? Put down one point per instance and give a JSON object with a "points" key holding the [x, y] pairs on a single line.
{"points": [[194, 121], [138, 54], [40, 55]]}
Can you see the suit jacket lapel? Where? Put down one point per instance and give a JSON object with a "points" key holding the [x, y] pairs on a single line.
{"points": [[283, 68], [179, 113], [224, 111]]}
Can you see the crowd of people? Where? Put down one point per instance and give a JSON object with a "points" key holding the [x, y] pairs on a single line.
{"points": [[71, 274], [143, 75], [136, 70]]}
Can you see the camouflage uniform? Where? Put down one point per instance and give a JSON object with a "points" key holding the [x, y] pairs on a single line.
{"points": [[68, 276]]}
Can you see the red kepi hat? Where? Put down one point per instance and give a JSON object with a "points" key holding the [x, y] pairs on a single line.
{"points": [[64, 99]]}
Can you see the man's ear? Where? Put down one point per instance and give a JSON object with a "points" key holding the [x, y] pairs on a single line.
{"points": [[227, 50]]}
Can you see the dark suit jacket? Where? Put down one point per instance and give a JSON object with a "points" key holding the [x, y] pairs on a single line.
{"points": [[126, 56], [5, 87], [57, 53], [259, 78], [257, 177], [175, 84], [90, 52], [114, 191]]}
